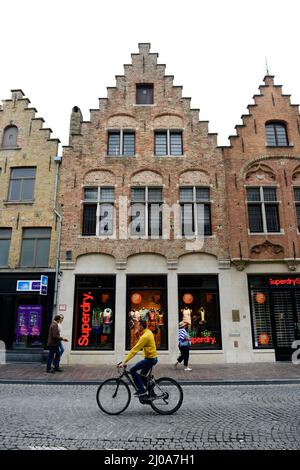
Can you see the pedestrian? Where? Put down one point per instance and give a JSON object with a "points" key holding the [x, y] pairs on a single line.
{"points": [[184, 344], [54, 339], [61, 348]]}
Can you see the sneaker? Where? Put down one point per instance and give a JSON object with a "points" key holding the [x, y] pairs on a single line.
{"points": [[188, 368], [139, 394]]}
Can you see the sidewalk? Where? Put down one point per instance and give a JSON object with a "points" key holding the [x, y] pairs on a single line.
{"points": [[208, 374]]}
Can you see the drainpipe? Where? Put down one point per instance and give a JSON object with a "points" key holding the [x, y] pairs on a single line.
{"points": [[58, 161]]}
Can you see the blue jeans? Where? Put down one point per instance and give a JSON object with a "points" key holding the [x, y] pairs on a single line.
{"points": [[53, 354], [144, 366], [61, 349]]}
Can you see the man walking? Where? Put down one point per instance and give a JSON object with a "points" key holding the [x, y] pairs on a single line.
{"points": [[53, 343]]}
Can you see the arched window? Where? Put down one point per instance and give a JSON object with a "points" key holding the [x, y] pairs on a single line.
{"points": [[10, 137], [276, 134]]}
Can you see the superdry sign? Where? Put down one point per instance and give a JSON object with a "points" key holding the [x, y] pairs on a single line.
{"points": [[284, 282], [85, 315]]}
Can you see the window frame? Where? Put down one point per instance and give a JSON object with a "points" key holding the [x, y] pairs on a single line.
{"points": [[121, 133], [5, 131], [275, 125], [6, 238], [263, 203], [35, 249], [168, 133], [21, 179], [140, 86], [297, 205], [99, 202], [195, 202], [147, 214]]}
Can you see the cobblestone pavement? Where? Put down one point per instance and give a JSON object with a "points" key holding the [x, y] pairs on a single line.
{"points": [[211, 417]]}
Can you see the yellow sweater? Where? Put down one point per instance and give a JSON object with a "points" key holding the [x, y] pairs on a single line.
{"points": [[147, 343]]}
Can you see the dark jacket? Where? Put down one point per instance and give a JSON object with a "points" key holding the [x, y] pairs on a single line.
{"points": [[54, 337]]}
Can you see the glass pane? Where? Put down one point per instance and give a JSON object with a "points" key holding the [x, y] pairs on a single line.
{"points": [[91, 194], [27, 190], [106, 219], [15, 190], [154, 194], [4, 250], [203, 219], [253, 194], [298, 216], [36, 232], [272, 218], [297, 194], [23, 173], [161, 143], [155, 219], [262, 328], [27, 252], [187, 219], [137, 225], [128, 143], [10, 137], [176, 143], [114, 143], [281, 135], [255, 218], [89, 219], [202, 194], [270, 194], [5, 233], [42, 252], [137, 194], [144, 93], [271, 137], [107, 194], [186, 194]]}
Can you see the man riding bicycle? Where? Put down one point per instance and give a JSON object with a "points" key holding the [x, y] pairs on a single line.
{"points": [[147, 344]]}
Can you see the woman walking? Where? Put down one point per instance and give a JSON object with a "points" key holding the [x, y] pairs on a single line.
{"points": [[184, 342]]}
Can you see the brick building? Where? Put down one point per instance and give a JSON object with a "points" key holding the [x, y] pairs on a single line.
{"points": [[262, 168], [124, 254], [28, 228]]}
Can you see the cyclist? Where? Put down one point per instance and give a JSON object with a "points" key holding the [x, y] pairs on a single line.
{"points": [[147, 344]]}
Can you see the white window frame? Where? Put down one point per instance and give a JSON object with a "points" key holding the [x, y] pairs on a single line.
{"points": [[121, 149], [168, 131], [263, 211], [146, 204], [99, 202], [195, 212]]}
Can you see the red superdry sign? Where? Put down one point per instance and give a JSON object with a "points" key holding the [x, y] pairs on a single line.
{"points": [[284, 282], [85, 309]]}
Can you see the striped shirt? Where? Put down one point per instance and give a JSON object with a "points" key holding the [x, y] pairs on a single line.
{"points": [[183, 335]]}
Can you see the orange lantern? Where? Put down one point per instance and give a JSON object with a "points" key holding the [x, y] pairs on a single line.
{"points": [[260, 298], [264, 338], [188, 298], [136, 298], [105, 298]]}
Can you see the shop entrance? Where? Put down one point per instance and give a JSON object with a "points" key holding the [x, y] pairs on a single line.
{"points": [[285, 308]]}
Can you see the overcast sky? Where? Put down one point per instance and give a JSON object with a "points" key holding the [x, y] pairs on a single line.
{"points": [[64, 53]]}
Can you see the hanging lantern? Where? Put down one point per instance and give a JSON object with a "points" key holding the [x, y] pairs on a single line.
{"points": [[188, 298], [136, 298], [260, 298], [264, 339]]}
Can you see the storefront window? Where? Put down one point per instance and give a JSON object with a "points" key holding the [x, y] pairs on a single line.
{"points": [[199, 307], [147, 300], [261, 317], [94, 317]]}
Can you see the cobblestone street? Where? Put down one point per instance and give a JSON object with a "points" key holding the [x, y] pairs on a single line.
{"points": [[211, 417]]}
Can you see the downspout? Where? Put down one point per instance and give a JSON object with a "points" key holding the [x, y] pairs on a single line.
{"points": [[58, 161]]}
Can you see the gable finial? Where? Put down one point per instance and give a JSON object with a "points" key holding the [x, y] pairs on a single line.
{"points": [[267, 67]]}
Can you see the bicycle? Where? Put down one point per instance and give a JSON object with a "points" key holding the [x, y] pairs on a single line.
{"points": [[164, 395]]}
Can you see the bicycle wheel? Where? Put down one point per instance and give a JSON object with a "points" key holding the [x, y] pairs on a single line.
{"points": [[166, 396], [113, 396]]}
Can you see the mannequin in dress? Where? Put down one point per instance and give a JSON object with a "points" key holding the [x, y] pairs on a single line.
{"points": [[186, 315]]}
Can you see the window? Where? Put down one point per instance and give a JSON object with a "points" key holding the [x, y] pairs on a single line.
{"points": [[297, 203], [10, 136], [263, 210], [146, 212], [5, 236], [144, 93], [35, 247], [98, 211], [121, 143], [147, 300], [168, 142], [276, 134], [195, 211], [94, 318], [21, 186]]}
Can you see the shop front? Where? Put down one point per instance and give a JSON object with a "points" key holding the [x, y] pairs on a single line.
{"points": [[275, 313], [26, 309], [198, 297]]}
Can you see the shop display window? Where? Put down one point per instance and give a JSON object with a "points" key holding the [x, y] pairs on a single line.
{"points": [[147, 300], [94, 316], [199, 308]]}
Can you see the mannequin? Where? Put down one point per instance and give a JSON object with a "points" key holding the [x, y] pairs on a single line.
{"points": [[186, 315], [107, 321]]}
